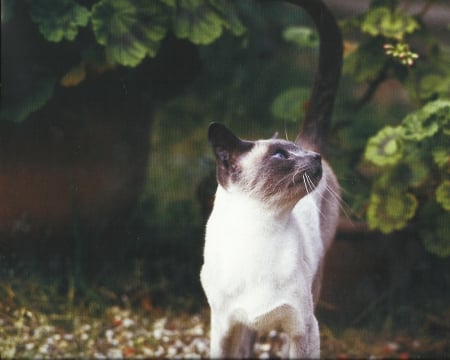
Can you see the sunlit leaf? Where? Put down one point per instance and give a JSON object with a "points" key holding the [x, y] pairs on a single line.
{"points": [[290, 104], [301, 36], [229, 13], [389, 23], [385, 148], [58, 20], [130, 30], [418, 126], [443, 194], [427, 121], [390, 210], [441, 154], [198, 21]]}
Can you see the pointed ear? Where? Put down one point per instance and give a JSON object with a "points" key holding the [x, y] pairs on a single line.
{"points": [[226, 146], [275, 135]]}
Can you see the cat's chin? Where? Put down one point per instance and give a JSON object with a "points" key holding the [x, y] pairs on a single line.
{"points": [[307, 180]]}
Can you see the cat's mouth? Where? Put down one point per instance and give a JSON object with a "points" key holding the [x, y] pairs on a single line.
{"points": [[308, 177]]}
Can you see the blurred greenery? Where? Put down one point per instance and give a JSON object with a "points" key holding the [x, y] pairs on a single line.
{"points": [[390, 137]]}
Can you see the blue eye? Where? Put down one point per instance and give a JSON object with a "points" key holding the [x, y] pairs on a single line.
{"points": [[280, 154]]}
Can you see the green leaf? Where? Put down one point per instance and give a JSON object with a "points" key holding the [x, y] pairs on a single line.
{"points": [[301, 36], [289, 105], [427, 121], [385, 148], [390, 210], [366, 62], [411, 172], [230, 15], [202, 23], [418, 126], [441, 154], [58, 20], [443, 194], [435, 236], [434, 84], [130, 30], [18, 109], [389, 23]]}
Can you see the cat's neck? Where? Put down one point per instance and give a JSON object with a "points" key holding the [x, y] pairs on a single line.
{"points": [[238, 204]]}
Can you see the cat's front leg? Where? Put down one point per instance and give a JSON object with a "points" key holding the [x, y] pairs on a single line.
{"points": [[231, 339], [217, 350], [307, 345]]}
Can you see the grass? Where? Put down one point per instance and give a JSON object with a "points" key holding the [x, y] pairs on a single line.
{"points": [[40, 316]]}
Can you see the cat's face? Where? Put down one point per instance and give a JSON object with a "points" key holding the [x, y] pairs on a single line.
{"points": [[278, 172]]}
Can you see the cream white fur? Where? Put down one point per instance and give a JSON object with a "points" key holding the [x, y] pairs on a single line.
{"points": [[262, 267]]}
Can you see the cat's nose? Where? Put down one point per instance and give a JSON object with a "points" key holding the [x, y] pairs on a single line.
{"points": [[317, 156]]}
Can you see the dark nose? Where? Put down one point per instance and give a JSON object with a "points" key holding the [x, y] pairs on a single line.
{"points": [[317, 157]]}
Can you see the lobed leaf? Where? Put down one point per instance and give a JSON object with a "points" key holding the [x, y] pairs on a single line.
{"points": [[427, 121], [58, 20], [441, 155], [301, 36], [197, 21], [385, 148], [443, 194], [289, 105], [130, 30], [382, 21], [230, 16], [390, 210]]}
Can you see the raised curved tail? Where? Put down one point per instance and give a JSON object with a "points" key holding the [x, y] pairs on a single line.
{"points": [[316, 125]]}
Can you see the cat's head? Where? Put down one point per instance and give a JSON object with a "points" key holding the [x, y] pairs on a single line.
{"points": [[275, 171]]}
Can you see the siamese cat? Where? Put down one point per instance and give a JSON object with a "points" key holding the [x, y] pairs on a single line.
{"points": [[275, 214]]}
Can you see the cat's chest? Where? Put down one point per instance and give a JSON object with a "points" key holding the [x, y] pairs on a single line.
{"points": [[253, 251]]}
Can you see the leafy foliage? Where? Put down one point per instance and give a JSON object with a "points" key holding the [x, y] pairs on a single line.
{"points": [[302, 36], [127, 31], [202, 22], [397, 157], [365, 63], [390, 211], [290, 105], [443, 194], [386, 148], [406, 162], [130, 30], [58, 20], [390, 23]]}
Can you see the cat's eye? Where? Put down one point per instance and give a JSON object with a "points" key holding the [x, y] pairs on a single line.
{"points": [[280, 154]]}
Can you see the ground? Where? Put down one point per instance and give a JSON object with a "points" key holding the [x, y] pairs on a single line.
{"points": [[126, 332]]}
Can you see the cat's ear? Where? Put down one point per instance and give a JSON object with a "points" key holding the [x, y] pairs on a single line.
{"points": [[275, 135], [227, 147]]}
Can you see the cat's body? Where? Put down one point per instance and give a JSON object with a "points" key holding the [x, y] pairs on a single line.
{"points": [[275, 215], [265, 245]]}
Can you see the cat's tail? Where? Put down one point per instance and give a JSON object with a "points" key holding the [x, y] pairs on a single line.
{"points": [[316, 125]]}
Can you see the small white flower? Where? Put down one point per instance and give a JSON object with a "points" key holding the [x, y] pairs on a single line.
{"points": [[128, 322]]}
